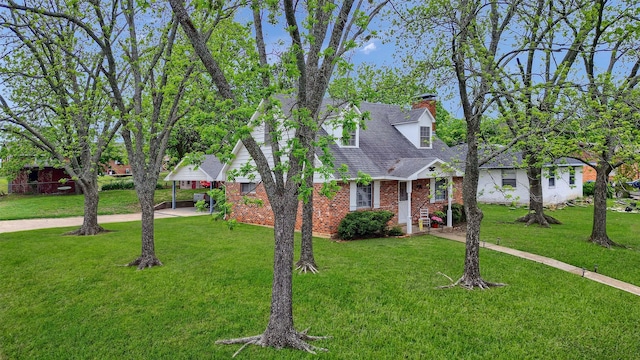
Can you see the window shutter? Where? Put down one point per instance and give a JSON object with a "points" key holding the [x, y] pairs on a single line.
{"points": [[432, 190], [376, 194], [353, 204]]}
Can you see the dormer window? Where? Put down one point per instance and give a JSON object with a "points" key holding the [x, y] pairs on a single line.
{"points": [[349, 139], [425, 137]]}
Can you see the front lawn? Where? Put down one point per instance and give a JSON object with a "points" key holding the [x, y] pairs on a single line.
{"points": [[568, 242], [53, 206], [65, 297]]}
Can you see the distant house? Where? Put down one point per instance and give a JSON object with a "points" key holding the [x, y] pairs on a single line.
{"points": [[117, 168], [398, 148], [202, 176], [196, 176], [504, 180], [37, 179]]}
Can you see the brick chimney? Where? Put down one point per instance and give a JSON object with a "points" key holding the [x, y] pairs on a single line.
{"points": [[427, 101]]}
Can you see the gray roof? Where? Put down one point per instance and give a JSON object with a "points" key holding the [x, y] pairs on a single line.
{"points": [[210, 165], [509, 159], [383, 150]]}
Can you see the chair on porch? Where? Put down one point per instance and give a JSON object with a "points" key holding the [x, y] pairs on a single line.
{"points": [[424, 217]]}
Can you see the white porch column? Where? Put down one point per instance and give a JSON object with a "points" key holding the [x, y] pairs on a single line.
{"points": [[210, 197], [173, 195], [449, 213], [409, 216]]}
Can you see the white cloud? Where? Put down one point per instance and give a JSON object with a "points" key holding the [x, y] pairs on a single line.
{"points": [[368, 48]]}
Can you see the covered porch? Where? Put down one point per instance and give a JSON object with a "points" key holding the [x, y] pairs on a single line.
{"points": [[431, 189]]}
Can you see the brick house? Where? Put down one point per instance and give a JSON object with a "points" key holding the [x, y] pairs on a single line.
{"points": [[408, 165], [117, 168], [42, 179]]}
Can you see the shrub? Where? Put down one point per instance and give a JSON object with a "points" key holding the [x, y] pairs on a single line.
{"points": [[589, 188], [124, 184], [364, 224], [118, 185], [395, 231], [457, 212]]}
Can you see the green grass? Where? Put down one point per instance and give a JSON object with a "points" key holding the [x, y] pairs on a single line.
{"points": [[568, 242], [53, 206], [4, 185], [66, 297]]}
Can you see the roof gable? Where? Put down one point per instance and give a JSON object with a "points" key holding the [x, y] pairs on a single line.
{"points": [[209, 170]]}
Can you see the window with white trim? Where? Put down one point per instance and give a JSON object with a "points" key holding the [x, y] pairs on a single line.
{"points": [[509, 177], [248, 188], [349, 139], [441, 190], [425, 136], [402, 191], [363, 196], [552, 178], [572, 176]]}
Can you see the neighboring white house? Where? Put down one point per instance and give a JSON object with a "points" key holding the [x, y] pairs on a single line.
{"points": [[504, 181]]}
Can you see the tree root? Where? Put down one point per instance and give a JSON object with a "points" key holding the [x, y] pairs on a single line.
{"points": [[606, 242], [295, 340], [87, 232], [543, 220], [469, 284], [304, 266], [143, 262]]}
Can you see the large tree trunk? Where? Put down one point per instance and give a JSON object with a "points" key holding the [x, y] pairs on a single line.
{"points": [[90, 224], [599, 230], [536, 213], [280, 331], [147, 256], [471, 277], [307, 261]]}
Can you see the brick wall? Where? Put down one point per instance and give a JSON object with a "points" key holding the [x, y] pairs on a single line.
{"points": [[327, 213]]}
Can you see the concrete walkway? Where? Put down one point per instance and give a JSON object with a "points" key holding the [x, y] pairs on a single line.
{"points": [[630, 288], [33, 224]]}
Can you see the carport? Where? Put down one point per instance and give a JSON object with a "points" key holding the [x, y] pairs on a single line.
{"points": [[208, 171]]}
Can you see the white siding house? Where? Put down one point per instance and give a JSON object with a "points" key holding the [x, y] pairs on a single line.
{"points": [[504, 180], [506, 186]]}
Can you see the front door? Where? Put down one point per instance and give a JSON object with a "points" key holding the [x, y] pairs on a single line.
{"points": [[403, 202]]}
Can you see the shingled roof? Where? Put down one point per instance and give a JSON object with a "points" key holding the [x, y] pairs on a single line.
{"points": [[509, 159], [383, 151]]}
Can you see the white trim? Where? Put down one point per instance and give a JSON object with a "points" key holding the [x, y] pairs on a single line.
{"points": [[430, 146], [432, 190], [175, 173], [417, 174], [376, 194], [353, 200]]}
